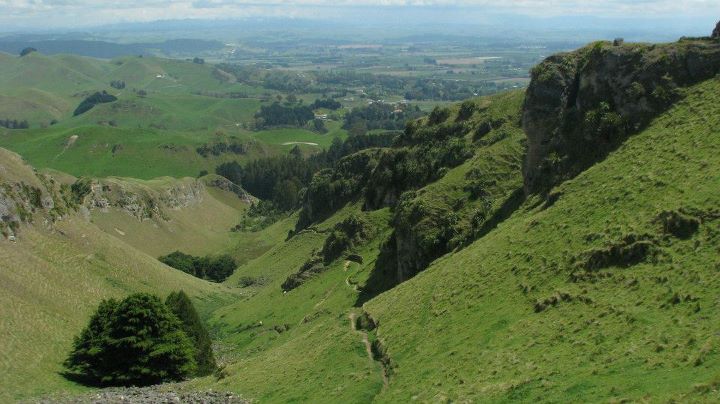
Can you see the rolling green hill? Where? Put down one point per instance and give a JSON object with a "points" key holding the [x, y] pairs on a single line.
{"points": [[167, 110]]}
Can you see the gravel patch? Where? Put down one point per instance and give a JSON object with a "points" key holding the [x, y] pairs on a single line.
{"points": [[151, 395]]}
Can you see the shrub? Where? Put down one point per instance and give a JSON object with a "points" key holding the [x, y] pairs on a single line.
{"points": [[180, 304], [678, 224], [467, 109], [80, 189], [438, 116], [213, 268], [137, 341]]}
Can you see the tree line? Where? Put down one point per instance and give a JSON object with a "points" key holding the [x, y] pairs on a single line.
{"points": [[14, 124], [279, 179], [286, 114], [380, 115], [212, 268]]}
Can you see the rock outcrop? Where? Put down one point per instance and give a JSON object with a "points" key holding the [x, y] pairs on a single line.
{"points": [[220, 182], [583, 104], [27, 196], [716, 32], [144, 202]]}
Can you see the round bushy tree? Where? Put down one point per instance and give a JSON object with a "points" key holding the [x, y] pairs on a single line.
{"points": [[137, 341], [181, 305]]}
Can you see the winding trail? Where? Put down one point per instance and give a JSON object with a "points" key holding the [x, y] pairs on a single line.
{"points": [[70, 142], [352, 317], [365, 340], [368, 349], [349, 284]]}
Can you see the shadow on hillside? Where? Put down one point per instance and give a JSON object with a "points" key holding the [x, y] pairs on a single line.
{"points": [[80, 379], [385, 276]]}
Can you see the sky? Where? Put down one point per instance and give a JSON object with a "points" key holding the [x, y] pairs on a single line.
{"points": [[45, 14]]}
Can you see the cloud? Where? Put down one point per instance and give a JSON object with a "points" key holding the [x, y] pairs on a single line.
{"points": [[83, 13]]}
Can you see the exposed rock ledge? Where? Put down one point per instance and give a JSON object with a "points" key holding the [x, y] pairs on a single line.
{"points": [[583, 104]]}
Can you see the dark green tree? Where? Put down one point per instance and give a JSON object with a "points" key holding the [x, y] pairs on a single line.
{"points": [[181, 305], [27, 51], [213, 268], [87, 361], [179, 260], [136, 342]]}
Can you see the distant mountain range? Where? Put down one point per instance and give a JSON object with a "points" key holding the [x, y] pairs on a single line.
{"points": [[107, 50]]}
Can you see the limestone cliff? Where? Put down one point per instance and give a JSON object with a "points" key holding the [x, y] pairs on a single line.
{"points": [[144, 200], [583, 104]]}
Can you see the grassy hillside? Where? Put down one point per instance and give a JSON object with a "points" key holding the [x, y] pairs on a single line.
{"points": [[55, 273], [566, 300], [522, 314], [299, 345], [303, 344]]}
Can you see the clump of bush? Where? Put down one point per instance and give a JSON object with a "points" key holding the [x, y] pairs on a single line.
{"points": [[219, 148], [80, 189], [310, 268], [678, 224], [27, 51], [14, 124], [212, 268], [630, 250], [134, 342], [118, 84], [259, 216], [438, 115], [467, 109], [88, 103], [345, 236], [247, 281]]}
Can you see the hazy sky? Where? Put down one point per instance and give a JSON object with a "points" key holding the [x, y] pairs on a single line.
{"points": [[84, 13]]}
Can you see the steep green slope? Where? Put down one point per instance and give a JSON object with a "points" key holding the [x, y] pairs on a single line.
{"points": [[299, 345], [590, 299], [56, 266]]}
